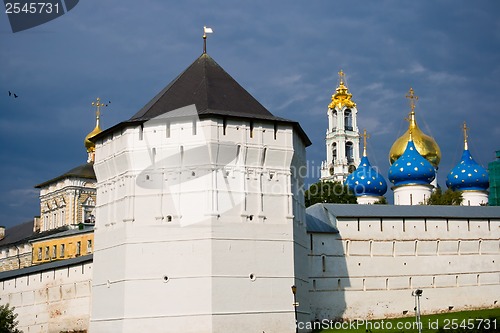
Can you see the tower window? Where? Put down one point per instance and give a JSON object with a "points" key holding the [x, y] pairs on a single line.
{"points": [[349, 152], [348, 120], [334, 152], [335, 120], [224, 125], [141, 132], [167, 129], [251, 129]]}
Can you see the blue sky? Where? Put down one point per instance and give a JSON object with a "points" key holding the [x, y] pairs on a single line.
{"points": [[286, 53]]}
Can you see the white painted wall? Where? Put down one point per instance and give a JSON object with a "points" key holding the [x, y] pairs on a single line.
{"points": [[370, 269], [51, 300], [197, 230], [412, 194], [474, 198]]}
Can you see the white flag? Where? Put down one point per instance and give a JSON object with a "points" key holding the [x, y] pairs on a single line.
{"points": [[207, 30]]}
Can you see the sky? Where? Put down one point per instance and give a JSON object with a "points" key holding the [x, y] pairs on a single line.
{"points": [[287, 54]]}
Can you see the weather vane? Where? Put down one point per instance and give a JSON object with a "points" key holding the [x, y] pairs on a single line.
{"points": [[206, 31]]}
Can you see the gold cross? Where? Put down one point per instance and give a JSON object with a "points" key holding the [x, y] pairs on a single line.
{"points": [[413, 99], [341, 77], [365, 136], [98, 106], [465, 132]]}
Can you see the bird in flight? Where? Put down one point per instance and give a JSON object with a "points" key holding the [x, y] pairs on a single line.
{"points": [[11, 93]]}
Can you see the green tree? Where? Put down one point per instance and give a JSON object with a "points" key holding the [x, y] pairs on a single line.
{"points": [[328, 192], [381, 201], [8, 322], [449, 197]]}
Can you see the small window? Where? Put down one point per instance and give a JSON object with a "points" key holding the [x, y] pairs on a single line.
{"points": [[54, 251], [194, 127], [224, 125], [46, 253], [141, 132], [39, 253], [167, 130], [89, 246], [62, 251], [78, 248], [323, 263], [251, 129]]}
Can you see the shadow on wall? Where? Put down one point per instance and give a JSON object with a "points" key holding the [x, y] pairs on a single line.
{"points": [[328, 277]]}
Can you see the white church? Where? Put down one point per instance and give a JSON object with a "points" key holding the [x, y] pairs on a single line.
{"points": [[201, 226]]}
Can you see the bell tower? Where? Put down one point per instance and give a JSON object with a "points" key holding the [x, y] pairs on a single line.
{"points": [[342, 136]]}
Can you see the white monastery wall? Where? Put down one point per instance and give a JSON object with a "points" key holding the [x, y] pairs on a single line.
{"points": [[195, 227], [50, 300], [371, 267]]}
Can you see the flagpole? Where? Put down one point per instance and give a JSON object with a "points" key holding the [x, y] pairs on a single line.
{"points": [[205, 32]]}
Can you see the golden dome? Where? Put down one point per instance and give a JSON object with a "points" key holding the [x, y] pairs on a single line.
{"points": [[426, 145], [89, 144], [342, 97]]}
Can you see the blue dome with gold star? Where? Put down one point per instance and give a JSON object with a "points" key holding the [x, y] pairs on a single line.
{"points": [[411, 168], [366, 180], [467, 175]]}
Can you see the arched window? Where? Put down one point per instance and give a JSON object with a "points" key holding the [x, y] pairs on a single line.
{"points": [[348, 120], [334, 120], [334, 152], [349, 151]]}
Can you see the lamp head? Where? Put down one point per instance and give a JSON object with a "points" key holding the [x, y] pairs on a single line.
{"points": [[294, 289]]}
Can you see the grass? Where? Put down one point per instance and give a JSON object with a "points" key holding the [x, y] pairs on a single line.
{"points": [[465, 321]]}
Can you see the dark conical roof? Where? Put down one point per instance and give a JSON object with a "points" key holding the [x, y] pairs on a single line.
{"points": [[208, 86], [212, 90]]}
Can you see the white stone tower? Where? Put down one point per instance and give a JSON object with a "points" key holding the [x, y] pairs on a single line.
{"points": [[342, 136], [200, 213]]}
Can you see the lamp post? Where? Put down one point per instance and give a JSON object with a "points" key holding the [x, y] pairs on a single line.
{"points": [[417, 293], [295, 305]]}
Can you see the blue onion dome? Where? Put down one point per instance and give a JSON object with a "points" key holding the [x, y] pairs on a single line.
{"points": [[366, 180], [411, 168], [467, 174]]}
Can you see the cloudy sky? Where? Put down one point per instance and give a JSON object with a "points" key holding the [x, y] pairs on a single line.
{"points": [[286, 53]]}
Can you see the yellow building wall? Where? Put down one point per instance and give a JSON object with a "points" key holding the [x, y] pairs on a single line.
{"points": [[63, 248]]}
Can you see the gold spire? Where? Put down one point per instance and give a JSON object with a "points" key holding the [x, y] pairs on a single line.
{"points": [[342, 97], [466, 146], [365, 136], [426, 145], [89, 144]]}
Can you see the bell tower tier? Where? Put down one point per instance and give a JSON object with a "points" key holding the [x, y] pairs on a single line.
{"points": [[342, 136], [201, 216]]}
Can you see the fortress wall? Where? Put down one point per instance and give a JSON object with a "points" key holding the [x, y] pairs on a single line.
{"points": [[50, 299], [371, 267]]}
